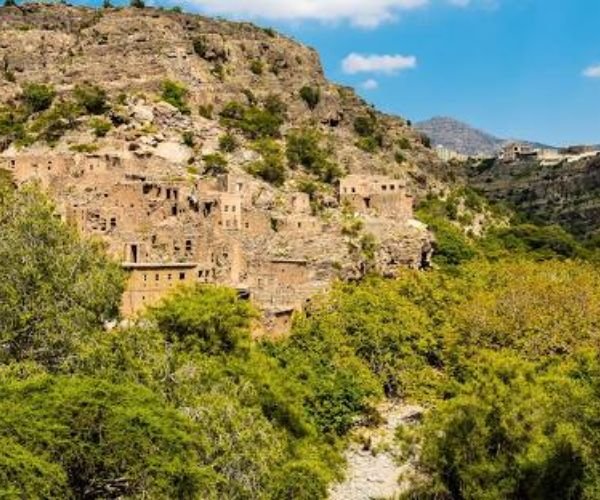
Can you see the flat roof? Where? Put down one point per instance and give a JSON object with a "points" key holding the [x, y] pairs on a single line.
{"points": [[159, 265]]}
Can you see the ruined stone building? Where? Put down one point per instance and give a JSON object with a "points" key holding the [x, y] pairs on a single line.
{"points": [[170, 229], [377, 194]]}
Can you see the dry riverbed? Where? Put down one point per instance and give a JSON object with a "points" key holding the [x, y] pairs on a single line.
{"points": [[374, 468]]}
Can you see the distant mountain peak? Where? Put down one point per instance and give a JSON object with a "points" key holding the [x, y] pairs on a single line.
{"points": [[459, 136], [463, 138]]}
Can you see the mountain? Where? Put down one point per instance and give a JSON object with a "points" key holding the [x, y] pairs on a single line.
{"points": [[460, 137], [205, 150]]}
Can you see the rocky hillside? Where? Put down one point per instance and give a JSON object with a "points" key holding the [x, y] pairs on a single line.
{"points": [[187, 141], [566, 194], [132, 52]]}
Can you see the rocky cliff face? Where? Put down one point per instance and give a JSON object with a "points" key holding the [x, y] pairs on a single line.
{"points": [[566, 194], [215, 156]]}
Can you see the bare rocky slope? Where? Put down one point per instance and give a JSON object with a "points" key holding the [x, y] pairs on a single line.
{"points": [[166, 172], [133, 51]]}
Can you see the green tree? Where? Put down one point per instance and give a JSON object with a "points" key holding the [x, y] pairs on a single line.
{"points": [[105, 439], [209, 319], [271, 167], [214, 164], [56, 288], [511, 432], [53, 123], [91, 98], [38, 97], [303, 148]]}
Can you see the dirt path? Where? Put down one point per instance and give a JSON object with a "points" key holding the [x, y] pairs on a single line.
{"points": [[374, 472]]}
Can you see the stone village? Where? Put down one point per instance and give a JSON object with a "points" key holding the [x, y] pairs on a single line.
{"points": [[168, 228]]}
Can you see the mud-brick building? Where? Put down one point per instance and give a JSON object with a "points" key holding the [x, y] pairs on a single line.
{"points": [[148, 283], [169, 228], [376, 194]]}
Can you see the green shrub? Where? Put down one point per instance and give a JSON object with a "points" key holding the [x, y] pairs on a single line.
{"points": [[38, 97], [137, 4], [188, 139], [84, 148], [365, 126], [233, 111], [303, 148], [206, 111], [399, 157], [311, 96], [91, 98], [257, 67], [368, 144], [176, 95], [404, 143], [218, 71], [200, 46], [271, 167], [215, 164], [425, 141], [100, 127], [274, 105], [53, 123], [12, 126], [254, 122], [228, 143], [251, 98]]}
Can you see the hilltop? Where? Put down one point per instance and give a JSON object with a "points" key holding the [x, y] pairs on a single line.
{"points": [[207, 150], [460, 137], [465, 139]]}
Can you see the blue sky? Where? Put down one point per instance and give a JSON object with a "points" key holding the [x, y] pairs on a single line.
{"points": [[512, 67]]}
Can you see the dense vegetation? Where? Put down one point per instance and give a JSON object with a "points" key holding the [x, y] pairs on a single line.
{"points": [[500, 344]]}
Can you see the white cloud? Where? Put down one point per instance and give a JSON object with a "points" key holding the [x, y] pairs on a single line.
{"points": [[370, 84], [363, 13], [592, 71], [388, 64]]}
